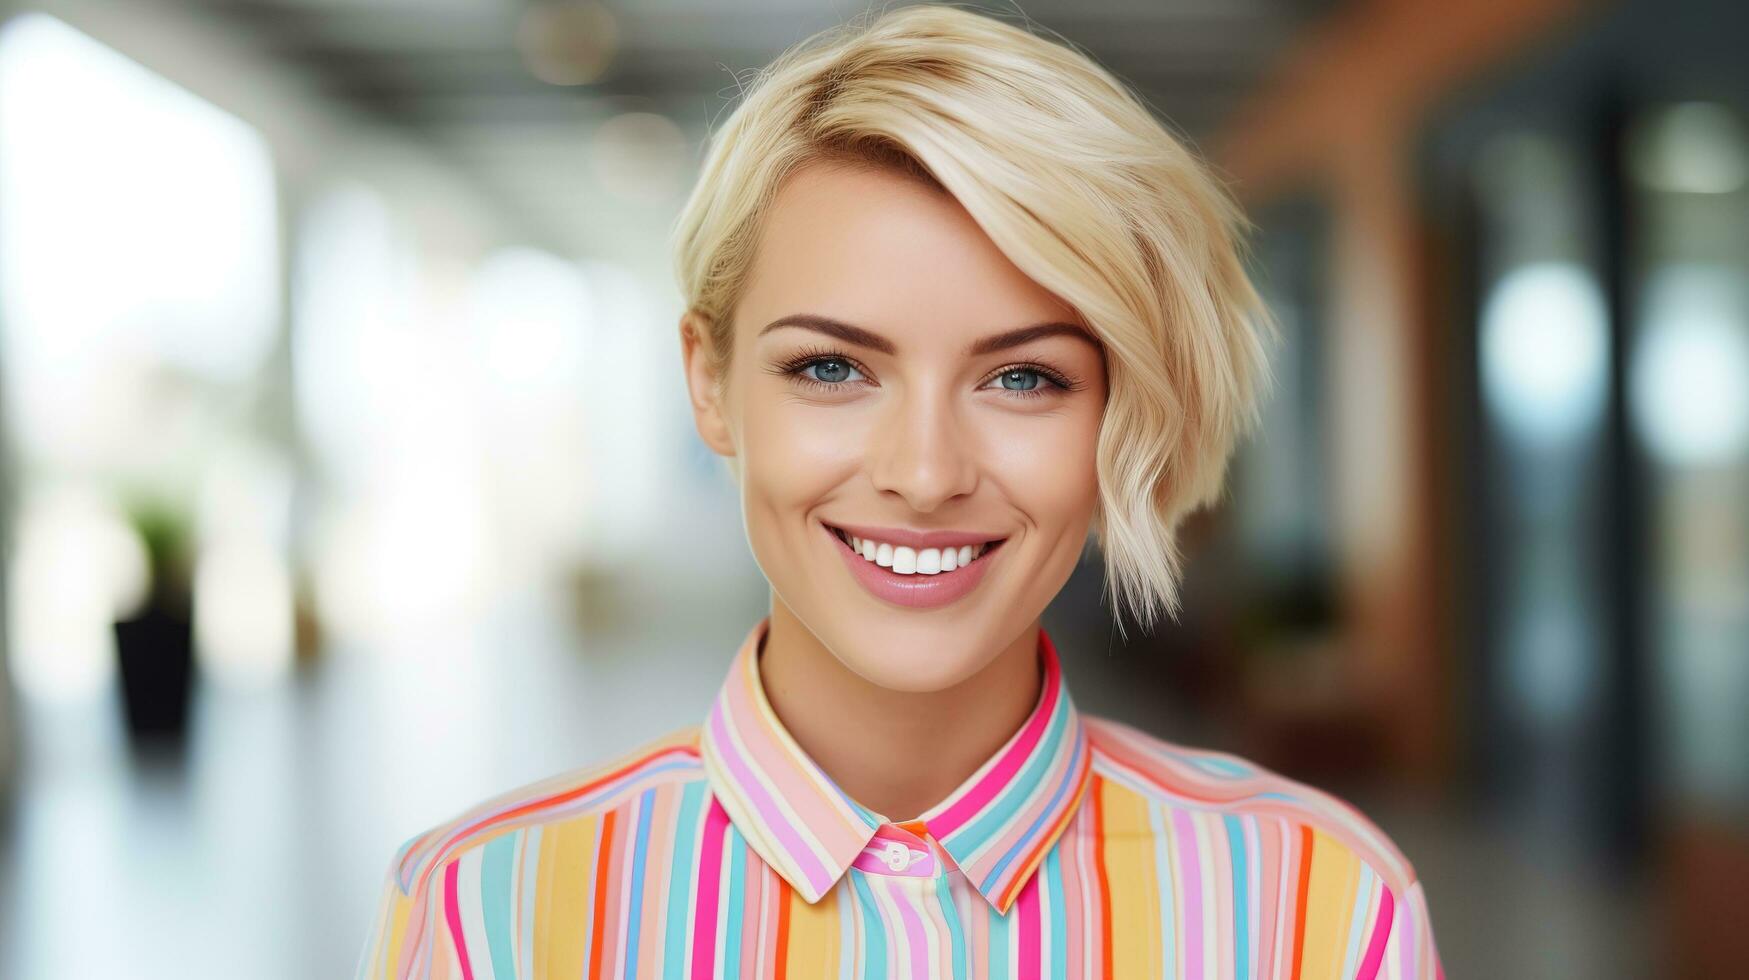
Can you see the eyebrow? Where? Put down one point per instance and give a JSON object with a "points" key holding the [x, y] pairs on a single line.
{"points": [[863, 337]]}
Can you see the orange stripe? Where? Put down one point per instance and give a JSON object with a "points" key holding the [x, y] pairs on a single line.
{"points": [[1305, 884], [569, 794], [1093, 791], [1038, 853], [602, 868], [783, 896]]}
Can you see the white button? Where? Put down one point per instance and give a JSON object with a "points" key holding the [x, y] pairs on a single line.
{"points": [[898, 856]]}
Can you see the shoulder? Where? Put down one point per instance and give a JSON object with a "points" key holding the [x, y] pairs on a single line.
{"points": [[577, 793], [1209, 780]]}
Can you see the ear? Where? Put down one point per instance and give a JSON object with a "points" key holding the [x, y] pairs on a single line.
{"points": [[701, 383]]}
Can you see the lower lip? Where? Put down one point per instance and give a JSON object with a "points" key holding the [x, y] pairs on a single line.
{"points": [[914, 591]]}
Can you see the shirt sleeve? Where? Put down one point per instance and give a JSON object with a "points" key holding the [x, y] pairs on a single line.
{"points": [[396, 928], [1408, 951]]}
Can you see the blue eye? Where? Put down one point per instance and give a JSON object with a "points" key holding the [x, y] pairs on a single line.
{"points": [[829, 370], [1031, 381]]}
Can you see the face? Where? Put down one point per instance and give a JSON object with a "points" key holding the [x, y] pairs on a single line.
{"points": [[898, 388]]}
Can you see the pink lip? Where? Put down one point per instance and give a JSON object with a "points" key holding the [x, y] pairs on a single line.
{"points": [[914, 591]]}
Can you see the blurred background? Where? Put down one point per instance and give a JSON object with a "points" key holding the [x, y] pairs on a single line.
{"points": [[349, 476]]}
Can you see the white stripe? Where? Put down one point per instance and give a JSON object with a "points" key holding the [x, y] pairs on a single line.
{"points": [[754, 821], [625, 831], [1358, 917], [1253, 892], [1286, 886], [1206, 824], [528, 872], [851, 940], [1170, 952], [467, 890]]}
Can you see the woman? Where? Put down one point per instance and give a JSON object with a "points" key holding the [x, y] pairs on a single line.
{"points": [[955, 301]]}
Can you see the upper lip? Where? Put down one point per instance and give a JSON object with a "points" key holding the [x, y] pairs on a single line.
{"points": [[916, 539]]}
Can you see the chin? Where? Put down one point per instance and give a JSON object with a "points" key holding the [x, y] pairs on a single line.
{"points": [[912, 657], [909, 651]]}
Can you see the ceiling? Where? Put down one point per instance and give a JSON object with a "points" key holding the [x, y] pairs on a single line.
{"points": [[452, 74]]}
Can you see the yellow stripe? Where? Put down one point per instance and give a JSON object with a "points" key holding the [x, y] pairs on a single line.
{"points": [[1329, 901], [1135, 896], [400, 909], [567, 871], [813, 936]]}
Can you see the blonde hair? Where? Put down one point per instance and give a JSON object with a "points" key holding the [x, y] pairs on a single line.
{"points": [[1084, 190]]}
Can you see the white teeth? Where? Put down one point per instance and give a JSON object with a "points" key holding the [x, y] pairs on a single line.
{"points": [[914, 561], [905, 560]]}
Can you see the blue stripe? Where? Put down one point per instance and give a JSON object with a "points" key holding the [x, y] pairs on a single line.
{"points": [[874, 959], [950, 913], [686, 831], [737, 900], [1031, 836], [1058, 907], [1013, 796], [1241, 905], [1222, 767], [495, 898], [646, 803], [998, 951]]}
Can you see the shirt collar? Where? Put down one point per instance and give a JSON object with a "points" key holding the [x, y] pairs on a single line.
{"points": [[997, 825]]}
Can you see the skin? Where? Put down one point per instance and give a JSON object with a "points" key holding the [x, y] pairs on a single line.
{"points": [[900, 705]]}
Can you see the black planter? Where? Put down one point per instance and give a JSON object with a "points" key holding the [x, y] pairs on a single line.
{"points": [[156, 650]]}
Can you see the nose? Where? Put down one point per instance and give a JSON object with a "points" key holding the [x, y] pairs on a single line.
{"points": [[921, 452]]}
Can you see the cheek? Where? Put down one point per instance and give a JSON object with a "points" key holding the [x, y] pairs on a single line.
{"points": [[793, 454], [1048, 466]]}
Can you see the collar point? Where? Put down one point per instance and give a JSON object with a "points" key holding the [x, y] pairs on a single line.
{"points": [[808, 892]]}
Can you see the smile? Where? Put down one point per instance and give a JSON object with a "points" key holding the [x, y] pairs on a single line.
{"points": [[915, 569]]}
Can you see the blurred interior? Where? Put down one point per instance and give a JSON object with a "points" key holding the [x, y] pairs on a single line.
{"points": [[349, 476]]}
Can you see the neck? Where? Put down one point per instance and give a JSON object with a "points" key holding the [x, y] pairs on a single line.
{"points": [[897, 753]]}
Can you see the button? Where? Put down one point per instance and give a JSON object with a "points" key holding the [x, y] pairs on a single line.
{"points": [[897, 851]]}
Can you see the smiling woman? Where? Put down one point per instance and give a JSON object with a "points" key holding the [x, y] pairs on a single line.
{"points": [[956, 305]]}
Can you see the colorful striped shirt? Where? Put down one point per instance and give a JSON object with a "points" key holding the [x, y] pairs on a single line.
{"points": [[1082, 848]]}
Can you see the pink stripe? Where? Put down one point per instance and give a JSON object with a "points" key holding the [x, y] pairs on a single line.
{"points": [[787, 769], [1186, 833], [710, 867], [748, 783], [453, 915], [913, 929], [998, 778], [1375, 950], [802, 784], [552, 805], [1406, 960], [1066, 766], [1027, 905]]}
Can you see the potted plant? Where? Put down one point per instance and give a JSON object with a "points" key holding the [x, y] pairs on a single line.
{"points": [[156, 644]]}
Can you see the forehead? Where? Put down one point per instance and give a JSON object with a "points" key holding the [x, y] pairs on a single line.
{"points": [[876, 247]]}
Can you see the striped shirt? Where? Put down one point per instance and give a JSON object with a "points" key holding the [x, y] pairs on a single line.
{"points": [[1082, 848]]}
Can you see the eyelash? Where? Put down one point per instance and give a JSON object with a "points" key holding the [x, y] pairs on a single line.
{"points": [[794, 366]]}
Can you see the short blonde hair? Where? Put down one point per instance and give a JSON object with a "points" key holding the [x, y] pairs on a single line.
{"points": [[1083, 189]]}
